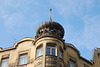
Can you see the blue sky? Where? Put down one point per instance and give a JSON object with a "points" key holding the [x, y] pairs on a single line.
{"points": [[80, 19]]}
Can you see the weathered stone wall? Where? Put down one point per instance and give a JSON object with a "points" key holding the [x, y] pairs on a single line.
{"points": [[29, 46]]}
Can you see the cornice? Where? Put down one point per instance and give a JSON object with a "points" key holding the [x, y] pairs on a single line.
{"points": [[43, 36], [73, 47], [17, 43]]}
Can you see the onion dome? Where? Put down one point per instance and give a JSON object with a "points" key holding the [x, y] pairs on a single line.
{"points": [[50, 28]]}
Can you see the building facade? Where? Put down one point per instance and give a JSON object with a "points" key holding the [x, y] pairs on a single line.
{"points": [[47, 49]]}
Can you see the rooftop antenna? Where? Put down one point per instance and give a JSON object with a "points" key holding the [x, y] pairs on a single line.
{"points": [[13, 38], [50, 14]]}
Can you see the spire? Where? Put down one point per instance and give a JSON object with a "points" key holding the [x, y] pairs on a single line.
{"points": [[50, 14]]}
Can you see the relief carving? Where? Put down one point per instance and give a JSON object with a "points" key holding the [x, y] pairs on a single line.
{"points": [[51, 61], [30, 61], [38, 62], [12, 64]]}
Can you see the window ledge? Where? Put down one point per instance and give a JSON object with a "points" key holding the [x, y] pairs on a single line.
{"points": [[51, 55], [22, 65], [38, 57]]}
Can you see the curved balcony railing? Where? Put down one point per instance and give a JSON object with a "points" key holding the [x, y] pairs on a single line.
{"points": [[51, 61], [38, 61]]}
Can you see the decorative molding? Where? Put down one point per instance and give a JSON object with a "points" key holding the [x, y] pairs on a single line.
{"points": [[16, 44], [5, 56], [12, 64], [30, 61], [38, 61], [23, 52], [51, 61]]}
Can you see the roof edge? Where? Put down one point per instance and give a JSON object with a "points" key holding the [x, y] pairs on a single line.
{"points": [[16, 44]]}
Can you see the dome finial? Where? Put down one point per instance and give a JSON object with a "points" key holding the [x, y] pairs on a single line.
{"points": [[50, 14]]}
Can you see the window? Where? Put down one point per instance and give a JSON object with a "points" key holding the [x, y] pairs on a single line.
{"points": [[4, 62], [72, 63], [39, 51], [60, 54], [23, 59], [51, 50]]}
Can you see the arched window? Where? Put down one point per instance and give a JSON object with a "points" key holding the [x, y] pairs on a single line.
{"points": [[39, 51]]}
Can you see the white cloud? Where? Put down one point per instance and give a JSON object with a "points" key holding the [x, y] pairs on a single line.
{"points": [[70, 7], [91, 33], [14, 20], [9, 19], [90, 37], [11, 14]]}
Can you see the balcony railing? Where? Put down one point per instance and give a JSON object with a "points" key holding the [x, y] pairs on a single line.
{"points": [[38, 61]]}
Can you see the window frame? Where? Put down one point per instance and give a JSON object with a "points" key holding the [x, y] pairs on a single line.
{"points": [[51, 47], [73, 61], [24, 60], [3, 61], [60, 51], [39, 48], [61, 56]]}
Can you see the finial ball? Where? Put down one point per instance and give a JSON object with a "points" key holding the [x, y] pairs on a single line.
{"points": [[50, 9]]}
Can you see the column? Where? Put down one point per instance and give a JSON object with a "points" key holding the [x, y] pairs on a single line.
{"points": [[44, 55], [57, 55]]}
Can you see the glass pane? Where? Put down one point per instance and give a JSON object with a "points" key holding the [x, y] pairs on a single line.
{"points": [[20, 61], [4, 63], [39, 52], [72, 64], [60, 54], [23, 56], [53, 51], [52, 46], [23, 59], [48, 51]]}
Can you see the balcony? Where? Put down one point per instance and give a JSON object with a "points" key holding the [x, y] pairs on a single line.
{"points": [[38, 61]]}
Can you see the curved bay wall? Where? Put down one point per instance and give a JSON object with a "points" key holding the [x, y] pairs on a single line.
{"points": [[38, 62], [51, 61]]}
